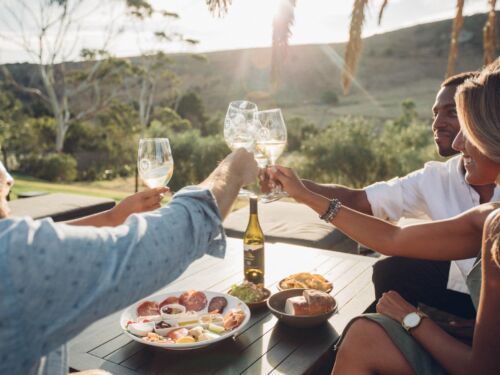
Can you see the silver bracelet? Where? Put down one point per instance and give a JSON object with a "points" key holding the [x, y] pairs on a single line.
{"points": [[333, 210]]}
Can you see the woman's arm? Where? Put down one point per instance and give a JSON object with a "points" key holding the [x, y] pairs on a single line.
{"points": [[352, 198], [486, 349], [456, 238], [143, 201]]}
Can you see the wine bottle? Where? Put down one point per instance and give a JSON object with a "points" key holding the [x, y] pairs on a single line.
{"points": [[253, 244]]}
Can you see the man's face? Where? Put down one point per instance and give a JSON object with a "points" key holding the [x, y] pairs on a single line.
{"points": [[6, 182], [445, 125]]}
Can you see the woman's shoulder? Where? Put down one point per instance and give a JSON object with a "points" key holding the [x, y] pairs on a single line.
{"points": [[493, 218], [478, 217]]}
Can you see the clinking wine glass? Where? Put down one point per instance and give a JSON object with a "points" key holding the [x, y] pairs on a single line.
{"points": [[239, 129], [155, 162], [271, 140]]}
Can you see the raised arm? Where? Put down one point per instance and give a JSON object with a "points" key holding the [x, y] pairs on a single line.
{"points": [[456, 238], [236, 170]]}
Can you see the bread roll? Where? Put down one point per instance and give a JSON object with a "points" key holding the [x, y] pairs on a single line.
{"points": [[297, 306], [312, 302]]}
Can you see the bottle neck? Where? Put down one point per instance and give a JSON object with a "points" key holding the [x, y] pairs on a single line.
{"points": [[253, 211], [253, 206]]}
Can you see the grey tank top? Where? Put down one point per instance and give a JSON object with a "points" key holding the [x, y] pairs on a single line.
{"points": [[474, 282]]}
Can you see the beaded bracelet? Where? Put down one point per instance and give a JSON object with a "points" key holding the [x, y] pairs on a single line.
{"points": [[333, 210]]}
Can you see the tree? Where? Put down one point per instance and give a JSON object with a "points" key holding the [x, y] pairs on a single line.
{"points": [[150, 68], [191, 107], [65, 86], [10, 115], [149, 71]]}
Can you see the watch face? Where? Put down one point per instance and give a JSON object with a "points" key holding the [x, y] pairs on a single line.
{"points": [[411, 320]]}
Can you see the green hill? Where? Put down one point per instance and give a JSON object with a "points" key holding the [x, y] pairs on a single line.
{"points": [[407, 63]]}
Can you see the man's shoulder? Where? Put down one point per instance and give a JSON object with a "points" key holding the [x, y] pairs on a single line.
{"points": [[436, 168], [18, 227], [449, 163]]}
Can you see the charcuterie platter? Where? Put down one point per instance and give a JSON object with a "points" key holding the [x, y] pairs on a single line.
{"points": [[185, 319]]}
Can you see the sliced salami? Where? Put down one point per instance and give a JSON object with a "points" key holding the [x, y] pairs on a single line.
{"points": [[217, 305], [148, 308], [193, 300], [168, 301]]}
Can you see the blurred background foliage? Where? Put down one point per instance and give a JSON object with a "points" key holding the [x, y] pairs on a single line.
{"points": [[354, 151]]}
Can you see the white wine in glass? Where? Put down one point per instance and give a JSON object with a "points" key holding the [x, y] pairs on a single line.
{"points": [[271, 137], [272, 149], [155, 162], [239, 129]]}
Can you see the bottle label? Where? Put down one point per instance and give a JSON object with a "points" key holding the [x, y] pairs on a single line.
{"points": [[254, 263]]}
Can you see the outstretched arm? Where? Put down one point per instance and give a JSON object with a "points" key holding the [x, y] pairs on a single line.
{"points": [[352, 198], [143, 201], [456, 238], [356, 199]]}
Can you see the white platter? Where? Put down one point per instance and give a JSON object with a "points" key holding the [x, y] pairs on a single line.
{"points": [[232, 302]]}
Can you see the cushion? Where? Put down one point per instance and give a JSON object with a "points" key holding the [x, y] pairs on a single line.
{"points": [[60, 206], [293, 223]]}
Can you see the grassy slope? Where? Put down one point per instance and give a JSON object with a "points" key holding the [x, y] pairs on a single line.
{"points": [[407, 63], [108, 189]]}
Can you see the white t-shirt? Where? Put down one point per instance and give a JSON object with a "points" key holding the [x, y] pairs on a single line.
{"points": [[437, 191]]}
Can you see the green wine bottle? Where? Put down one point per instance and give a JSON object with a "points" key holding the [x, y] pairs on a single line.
{"points": [[253, 244]]}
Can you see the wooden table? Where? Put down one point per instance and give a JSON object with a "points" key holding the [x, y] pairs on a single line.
{"points": [[264, 346]]}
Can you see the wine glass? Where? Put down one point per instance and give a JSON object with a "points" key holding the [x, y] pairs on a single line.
{"points": [[271, 139], [239, 129], [155, 162]]}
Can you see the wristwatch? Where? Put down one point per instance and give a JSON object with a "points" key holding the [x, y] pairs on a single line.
{"points": [[413, 320]]}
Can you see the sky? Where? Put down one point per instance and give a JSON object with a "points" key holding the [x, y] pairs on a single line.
{"points": [[247, 24]]}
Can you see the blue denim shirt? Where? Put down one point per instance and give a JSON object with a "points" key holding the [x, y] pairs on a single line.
{"points": [[57, 279]]}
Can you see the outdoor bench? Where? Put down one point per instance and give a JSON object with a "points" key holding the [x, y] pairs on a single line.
{"points": [[60, 206]]}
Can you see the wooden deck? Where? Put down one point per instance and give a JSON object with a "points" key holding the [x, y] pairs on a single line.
{"points": [[264, 346]]}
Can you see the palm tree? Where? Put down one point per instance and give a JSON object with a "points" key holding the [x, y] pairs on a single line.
{"points": [[282, 31]]}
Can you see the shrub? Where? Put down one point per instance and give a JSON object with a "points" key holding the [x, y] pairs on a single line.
{"points": [[343, 153], [51, 167], [359, 151], [298, 131], [194, 157], [330, 97]]}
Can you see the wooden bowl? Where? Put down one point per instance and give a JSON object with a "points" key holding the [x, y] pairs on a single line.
{"points": [[276, 304]]}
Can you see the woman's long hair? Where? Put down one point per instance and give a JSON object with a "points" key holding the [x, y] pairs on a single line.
{"points": [[494, 237], [478, 106]]}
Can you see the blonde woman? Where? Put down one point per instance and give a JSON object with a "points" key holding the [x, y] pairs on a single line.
{"points": [[399, 339]]}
